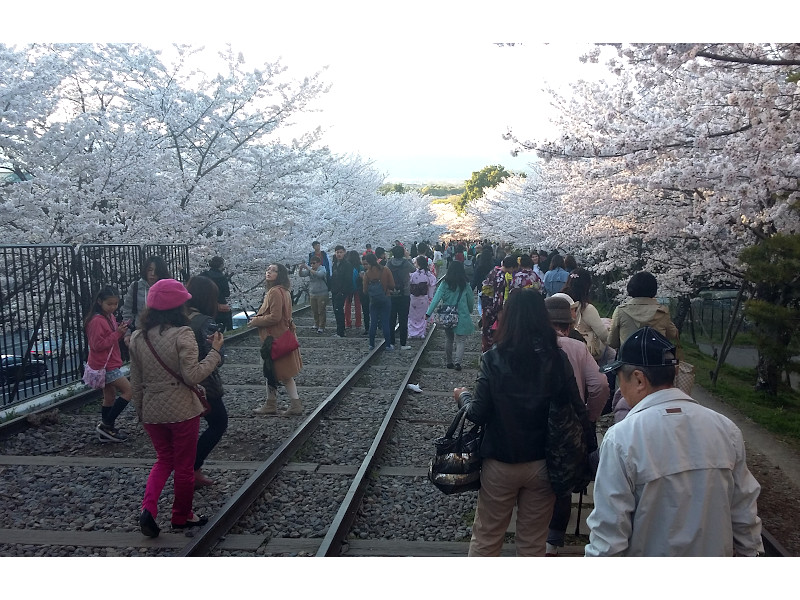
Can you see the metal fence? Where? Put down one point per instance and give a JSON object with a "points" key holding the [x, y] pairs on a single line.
{"points": [[45, 291], [710, 317]]}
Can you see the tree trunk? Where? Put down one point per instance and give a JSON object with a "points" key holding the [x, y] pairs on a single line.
{"points": [[767, 375], [684, 306], [735, 322]]}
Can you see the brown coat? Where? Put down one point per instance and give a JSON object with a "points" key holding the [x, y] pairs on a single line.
{"points": [[274, 318], [157, 396]]}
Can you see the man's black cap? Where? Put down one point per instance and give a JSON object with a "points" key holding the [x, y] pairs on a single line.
{"points": [[645, 348]]}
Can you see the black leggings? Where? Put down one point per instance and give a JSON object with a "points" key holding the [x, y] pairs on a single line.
{"points": [[398, 314], [217, 420]]}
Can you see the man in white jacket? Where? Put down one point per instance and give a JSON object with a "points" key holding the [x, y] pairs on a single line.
{"points": [[673, 477]]}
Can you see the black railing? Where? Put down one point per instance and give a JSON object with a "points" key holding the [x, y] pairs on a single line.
{"points": [[45, 291]]}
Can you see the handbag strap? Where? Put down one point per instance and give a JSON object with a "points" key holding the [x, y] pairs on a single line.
{"points": [[166, 368], [108, 358], [113, 324], [459, 423]]}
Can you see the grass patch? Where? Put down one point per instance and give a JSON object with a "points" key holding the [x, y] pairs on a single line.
{"points": [[743, 338], [735, 386]]}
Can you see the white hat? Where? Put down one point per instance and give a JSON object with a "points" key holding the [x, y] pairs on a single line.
{"points": [[568, 298]]}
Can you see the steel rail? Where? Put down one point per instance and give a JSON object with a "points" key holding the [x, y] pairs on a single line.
{"points": [[772, 547], [336, 537], [227, 516]]}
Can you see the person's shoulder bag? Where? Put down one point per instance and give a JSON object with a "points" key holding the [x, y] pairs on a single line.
{"points": [[287, 342], [198, 390], [447, 314], [456, 465], [566, 447]]}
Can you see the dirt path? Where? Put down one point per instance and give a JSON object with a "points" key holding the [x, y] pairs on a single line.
{"points": [[776, 466]]}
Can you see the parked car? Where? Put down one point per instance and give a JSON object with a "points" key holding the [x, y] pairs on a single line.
{"points": [[10, 365], [240, 319], [45, 349]]}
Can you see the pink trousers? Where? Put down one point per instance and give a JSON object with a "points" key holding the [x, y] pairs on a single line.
{"points": [[175, 445]]}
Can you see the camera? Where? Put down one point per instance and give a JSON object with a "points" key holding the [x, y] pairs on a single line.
{"points": [[214, 328]]}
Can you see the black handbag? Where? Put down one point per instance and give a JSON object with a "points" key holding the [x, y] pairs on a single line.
{"points": [[569, 441], [456, 466]]}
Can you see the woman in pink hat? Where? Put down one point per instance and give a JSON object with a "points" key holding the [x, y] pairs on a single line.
{"points": [[164, 370]]}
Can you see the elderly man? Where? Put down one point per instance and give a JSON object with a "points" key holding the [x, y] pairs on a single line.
{"points": [[672, 478]]}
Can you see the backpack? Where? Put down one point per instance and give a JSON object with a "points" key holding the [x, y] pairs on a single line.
{"points": [[397, 274], [469, 268]]}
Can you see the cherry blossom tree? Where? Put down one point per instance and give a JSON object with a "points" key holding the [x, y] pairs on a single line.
{"points": [[686, 152], [115, 143], [683, 157]]}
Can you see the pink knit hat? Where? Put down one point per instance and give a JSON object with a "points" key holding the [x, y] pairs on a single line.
{"points": [[166, 294]]}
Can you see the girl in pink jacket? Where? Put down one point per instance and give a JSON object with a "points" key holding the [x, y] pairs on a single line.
{"points": [[104, 335]]}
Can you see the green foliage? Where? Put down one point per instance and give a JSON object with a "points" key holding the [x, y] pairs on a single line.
{"points": [[452, 200], [776, 329], [393, 188], [773, 266], [487, 177], [775, 261], [442, 190]]}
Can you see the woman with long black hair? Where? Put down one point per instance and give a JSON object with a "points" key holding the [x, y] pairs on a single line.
{"points": [[202, 312], [455, 291], [378, 283], [518, 379]]}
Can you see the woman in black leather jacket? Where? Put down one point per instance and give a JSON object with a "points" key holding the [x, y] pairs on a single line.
{"points": [[517, 379]]}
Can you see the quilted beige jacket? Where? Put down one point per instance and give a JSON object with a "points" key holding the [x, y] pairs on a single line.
{"points": [[157, 396]]}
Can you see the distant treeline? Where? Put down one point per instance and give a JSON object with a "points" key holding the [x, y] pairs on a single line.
{"points": [[439, 190]]}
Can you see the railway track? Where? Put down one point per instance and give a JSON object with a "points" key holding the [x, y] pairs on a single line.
{"points": [[88, 493], [346, 478]]}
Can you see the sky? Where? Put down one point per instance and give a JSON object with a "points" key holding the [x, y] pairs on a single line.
{"points": [[422, 89], [432, 111]]}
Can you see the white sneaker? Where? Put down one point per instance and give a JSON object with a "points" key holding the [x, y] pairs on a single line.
{"points": [[405, 347], [414, 387]]}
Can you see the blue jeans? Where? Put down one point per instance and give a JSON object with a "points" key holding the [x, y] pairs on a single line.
{"points": [[379, 310]]}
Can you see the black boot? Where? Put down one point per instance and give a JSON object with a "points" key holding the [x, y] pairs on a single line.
{"points": [[119, 405]]}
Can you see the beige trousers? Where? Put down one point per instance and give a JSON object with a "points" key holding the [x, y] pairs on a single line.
{"points": [[504, 485], [318, 304]]}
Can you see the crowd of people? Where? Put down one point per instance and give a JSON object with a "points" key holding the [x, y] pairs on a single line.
{"points": [[173, 332], [670, 476]]}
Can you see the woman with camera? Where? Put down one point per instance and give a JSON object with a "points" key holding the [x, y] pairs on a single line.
{"points": [[202, 311]]}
